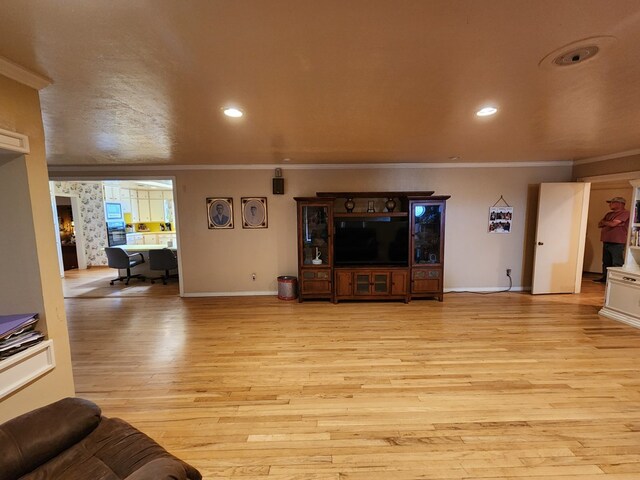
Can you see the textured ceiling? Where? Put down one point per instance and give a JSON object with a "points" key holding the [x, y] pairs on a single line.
{"points": [[332, 81]]}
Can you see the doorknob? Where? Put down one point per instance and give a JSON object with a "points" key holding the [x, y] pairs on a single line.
{"points": [[540, 243]]}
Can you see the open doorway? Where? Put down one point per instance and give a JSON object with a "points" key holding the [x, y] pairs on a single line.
{"points": [[135, 215], [71, 240], [598, 207], [67, 233]]}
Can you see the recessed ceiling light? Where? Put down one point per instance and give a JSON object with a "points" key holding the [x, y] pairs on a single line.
{"points": [[486, 111], [233, 112]]}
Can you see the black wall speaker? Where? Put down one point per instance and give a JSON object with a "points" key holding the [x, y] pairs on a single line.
{"points": [[278, 186]]}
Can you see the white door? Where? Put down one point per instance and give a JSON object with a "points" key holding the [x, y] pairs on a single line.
{"points": [[560, 237]]}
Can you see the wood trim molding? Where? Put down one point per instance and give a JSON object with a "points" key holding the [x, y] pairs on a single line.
{"points": [[619, 316], [308, 166], [26, 366], [12, 142], [20, 74]]}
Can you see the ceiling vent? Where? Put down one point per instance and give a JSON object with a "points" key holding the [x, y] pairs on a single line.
{"points": [[577, 52]]}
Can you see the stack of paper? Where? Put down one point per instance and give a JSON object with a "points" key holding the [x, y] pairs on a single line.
{"points": [[17, 333]]}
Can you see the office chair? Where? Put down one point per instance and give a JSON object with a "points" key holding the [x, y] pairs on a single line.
{"points": [[163, 259], [118, 258]]}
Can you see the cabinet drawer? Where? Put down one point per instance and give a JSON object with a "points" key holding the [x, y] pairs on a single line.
{"points": [[316, 286], [426, 280], [624, 294], [629, 277], [316, 281], [316, 275]]}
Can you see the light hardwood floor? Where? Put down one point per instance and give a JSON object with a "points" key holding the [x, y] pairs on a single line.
{"points": [[504, 386]]}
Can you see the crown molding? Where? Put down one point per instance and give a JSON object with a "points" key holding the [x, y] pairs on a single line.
{"points": [[20, 74], [612, 177], [611, 156], [346, 166]]}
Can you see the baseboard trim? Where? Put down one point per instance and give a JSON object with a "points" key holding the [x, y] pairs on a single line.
{"points": [[620, 317], [486, 289], [263, 293], [229, 294]]}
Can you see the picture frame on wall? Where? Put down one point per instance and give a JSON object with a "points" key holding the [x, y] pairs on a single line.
{"points": [[219, 212], [500, 219], [254, 212]]}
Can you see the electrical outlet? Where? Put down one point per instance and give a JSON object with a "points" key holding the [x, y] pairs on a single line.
{"points": [[508, 272], [253, 277]]}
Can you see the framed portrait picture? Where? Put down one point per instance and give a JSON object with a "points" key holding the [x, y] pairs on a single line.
{"points": [[220, 212], [254, 212], [500, 219]]}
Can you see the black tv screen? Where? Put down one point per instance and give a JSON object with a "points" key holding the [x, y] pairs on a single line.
{"points": [[371, 241]]}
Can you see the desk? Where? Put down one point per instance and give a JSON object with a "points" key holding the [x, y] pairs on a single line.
{"points": [[144, 250]]}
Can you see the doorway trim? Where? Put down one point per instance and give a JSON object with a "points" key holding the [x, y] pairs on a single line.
{"points": [[57, 176], [78, 222]]}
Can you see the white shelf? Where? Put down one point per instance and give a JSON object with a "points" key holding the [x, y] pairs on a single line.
{"points": [[24, 367], [12, 142]]}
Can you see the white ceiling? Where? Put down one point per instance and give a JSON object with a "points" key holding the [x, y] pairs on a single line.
{"points": [[332, 81]]}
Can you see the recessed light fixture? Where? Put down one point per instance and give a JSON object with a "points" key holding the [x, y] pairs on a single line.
{"points": [[486, 111], [232, 112]]}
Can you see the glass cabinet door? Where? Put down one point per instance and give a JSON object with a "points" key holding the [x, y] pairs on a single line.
{"points": [[426, 229], [315, 235], [362, 284], [381, 283]]}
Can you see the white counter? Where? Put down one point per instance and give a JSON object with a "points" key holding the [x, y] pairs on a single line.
{"points": [[145, 248], [151, 238]]}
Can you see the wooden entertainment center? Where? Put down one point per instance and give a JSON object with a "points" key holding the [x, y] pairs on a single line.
{"points": [[371, 245]]}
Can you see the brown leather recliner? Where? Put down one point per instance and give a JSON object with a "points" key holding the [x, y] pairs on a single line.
{"points": [[71, 440]]}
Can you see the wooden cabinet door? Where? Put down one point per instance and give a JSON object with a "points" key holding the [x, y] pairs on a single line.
{"points": [[150, 239], [156, 210], [380, 284], [371, 283], [144, 212], [135, 211], [344, 284], [398, 283], [362, 283]]}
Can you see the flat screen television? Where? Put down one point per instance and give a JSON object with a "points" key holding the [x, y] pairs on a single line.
{"points": [[371, 241]]}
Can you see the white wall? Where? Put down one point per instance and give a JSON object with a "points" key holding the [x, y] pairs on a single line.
{"points": [[222, 261]]}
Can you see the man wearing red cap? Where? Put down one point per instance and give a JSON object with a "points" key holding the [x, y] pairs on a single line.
{"points": [[613, 234]]}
